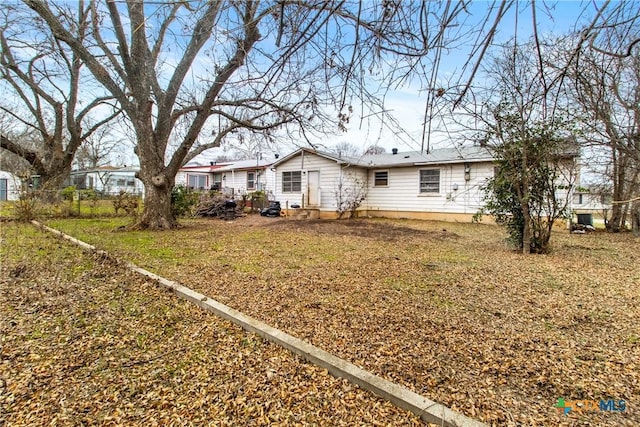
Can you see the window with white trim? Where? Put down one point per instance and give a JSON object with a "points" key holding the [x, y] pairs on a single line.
{"points": [[197, 182], [251, 180], [429, 181], [292, 182]]}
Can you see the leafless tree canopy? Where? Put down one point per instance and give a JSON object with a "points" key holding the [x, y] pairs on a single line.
{"points": [[42, 81], [190, 74], [606, 91]]}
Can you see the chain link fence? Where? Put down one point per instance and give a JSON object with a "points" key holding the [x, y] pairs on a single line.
{"points": [[70, 202]]}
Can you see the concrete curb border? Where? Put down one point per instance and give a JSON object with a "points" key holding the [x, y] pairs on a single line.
{"points": [[400, 396]]}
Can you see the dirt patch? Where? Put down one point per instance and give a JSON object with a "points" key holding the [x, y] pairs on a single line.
{"points": [[353, 227]]}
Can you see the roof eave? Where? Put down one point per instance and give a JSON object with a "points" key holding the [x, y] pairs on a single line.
{"points": [[448, 162]]}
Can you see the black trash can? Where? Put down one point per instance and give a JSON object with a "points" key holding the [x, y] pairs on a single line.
{"points": [[585, 219], [230, 209]]}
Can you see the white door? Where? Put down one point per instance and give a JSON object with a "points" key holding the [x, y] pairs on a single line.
{"points": [[314, 187]]}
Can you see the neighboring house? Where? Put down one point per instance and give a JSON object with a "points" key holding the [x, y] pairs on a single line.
{"points": [[590, 207], [10, 186], [107, 179], [444, 184], [198, 177], [585, 201], [233, 178]]}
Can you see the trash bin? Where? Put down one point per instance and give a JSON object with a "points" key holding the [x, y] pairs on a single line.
{"points": [[585, 219], [230, 210]]}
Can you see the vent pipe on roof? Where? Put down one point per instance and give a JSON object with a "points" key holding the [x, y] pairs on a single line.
{"points": [[212, 163], [394, 151]]}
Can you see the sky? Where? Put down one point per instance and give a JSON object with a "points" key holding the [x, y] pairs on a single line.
{"points": [[406, 105]]}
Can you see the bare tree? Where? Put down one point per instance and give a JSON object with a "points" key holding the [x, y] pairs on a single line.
{"points": [[42, 80], [350, 191], [189, 76], [374, 149], [528, 131], [606, 89], [345, 149], [100, 148]]}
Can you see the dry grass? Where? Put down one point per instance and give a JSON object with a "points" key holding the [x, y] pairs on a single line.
{"points": [[85, 342], [445, 309]]}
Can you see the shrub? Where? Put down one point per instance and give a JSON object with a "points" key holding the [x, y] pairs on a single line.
{"points": [[68, 192], [183, 201], [127, 202], [25, 208], [258, 200]]}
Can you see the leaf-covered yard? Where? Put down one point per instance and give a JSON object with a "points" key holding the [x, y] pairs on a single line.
{"points": [[85, 342], [447, 310]]}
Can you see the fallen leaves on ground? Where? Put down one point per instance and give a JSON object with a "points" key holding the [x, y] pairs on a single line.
{"points": [[85, 342], [447, 310]]}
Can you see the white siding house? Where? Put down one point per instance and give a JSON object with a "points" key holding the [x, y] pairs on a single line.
{"points": [[233, 178], [585, 201], [445, 184], [200, 177], [108, 179], [309, 179], [10, 186], [246, 176]]}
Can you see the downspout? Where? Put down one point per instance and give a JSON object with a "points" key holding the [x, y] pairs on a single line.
{"points": [[302, 197], [233, 180]]}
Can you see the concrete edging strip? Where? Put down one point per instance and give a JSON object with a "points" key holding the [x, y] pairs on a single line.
{"points": [[400, 396]]}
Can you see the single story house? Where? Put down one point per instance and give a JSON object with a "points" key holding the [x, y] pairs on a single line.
{"points": [[107, 179], [233, 178], [444, 184], [590, 206], [586, 201], [199, 177], [10, 186]]}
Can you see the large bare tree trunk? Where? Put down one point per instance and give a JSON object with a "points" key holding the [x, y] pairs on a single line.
{"points": [[635, 218], [157, 208], [158, 181], [615, 223]]}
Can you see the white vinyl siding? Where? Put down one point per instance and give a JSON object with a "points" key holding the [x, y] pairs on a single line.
{"points": [[403, 191], [330, 172], [457, 192], [10, 187]]}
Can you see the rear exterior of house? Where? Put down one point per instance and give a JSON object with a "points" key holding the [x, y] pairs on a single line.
{"points": [[234, 179], [439, 191], [309, 180], [444, 185]]}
